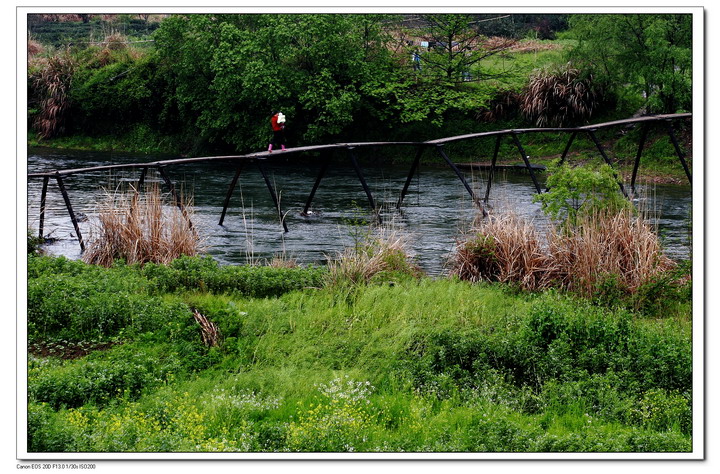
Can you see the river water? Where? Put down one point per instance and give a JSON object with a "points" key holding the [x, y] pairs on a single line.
{"points": [[435, 214]]}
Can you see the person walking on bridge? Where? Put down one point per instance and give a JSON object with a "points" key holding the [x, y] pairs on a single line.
{"points": [[277, 122]]}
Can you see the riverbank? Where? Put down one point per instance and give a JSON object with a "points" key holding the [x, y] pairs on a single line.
{"points": [[188, 358]]}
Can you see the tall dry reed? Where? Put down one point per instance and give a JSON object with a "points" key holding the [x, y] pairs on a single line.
{"points": [[509, 249], [141, 228], [504, 248], [621, 244]]}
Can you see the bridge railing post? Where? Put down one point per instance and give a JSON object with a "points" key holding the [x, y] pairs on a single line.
{"points": [[493, 163], [598, 145], [527, 161], [636, 165], [176, 197], [274, 196], [678, 151], [43, 200]]}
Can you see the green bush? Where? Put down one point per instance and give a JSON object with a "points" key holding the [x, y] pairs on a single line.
{"points": [[580, 191], [204, 274], [79, 383], [81, 308], [560, 339]]}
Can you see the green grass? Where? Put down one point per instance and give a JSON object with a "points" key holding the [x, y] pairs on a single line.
{"points": [[418, 366], [515, 67]]}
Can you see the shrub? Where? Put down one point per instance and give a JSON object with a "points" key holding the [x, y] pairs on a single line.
{"points": [[385, 253], [33, 244], [663, 410], [51, 86], [505, 249], [98, 307], [616, 249], [560, 97], [604, 255], [580, 191], [96, 382], [204, 274], [559, 340]]}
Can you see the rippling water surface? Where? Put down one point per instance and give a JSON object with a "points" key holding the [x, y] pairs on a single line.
{"points": [[435, 213]]}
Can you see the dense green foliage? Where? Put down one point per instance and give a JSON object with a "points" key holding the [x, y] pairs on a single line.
{"points": [[418, 365], [580, 191], [644, 59], [205, 84]]}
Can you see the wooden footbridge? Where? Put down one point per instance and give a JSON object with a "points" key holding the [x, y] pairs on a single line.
{"points": [[326, 151]]}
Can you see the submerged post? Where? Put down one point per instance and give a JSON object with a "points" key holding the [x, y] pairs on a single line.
{"points": [[178, 201], [272, 194], [441, 151], [413, 169], [492, 168], [527, 162], [233, 183], [641, 145], [65, 196], [567, 147], [141, 181], [323, 168], [361, 177], [43, 197]]}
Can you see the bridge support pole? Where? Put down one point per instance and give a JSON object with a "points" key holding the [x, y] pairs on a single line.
{"points": [[141, 181], [173, 192], [474, 198], [65, 196], [43, 199], [567, 147], [272, 194], [361, 177], [641, 145], [606, 158], [527, 162], [413, 169], [679, 152], [492, 167], [231, 189], [323, 169]]}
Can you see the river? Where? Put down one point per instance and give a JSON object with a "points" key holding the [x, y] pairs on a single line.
{"points": [[435, 214]]}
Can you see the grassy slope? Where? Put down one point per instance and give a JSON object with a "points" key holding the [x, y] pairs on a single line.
{"points": [[417, 365]]}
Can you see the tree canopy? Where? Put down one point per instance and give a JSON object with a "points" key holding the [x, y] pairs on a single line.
{"points": [[641, 53]]}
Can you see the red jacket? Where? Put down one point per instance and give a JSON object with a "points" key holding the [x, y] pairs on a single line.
{"points": [[275, 125]]}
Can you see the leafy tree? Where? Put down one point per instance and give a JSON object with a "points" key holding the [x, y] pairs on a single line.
{"points": [[457, 48], [228, 71], [580, 191], [648, 55]]}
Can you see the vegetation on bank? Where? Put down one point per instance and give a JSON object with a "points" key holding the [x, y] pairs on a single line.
{"points": [[204, 84], [407, 365], [365, 354]]}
